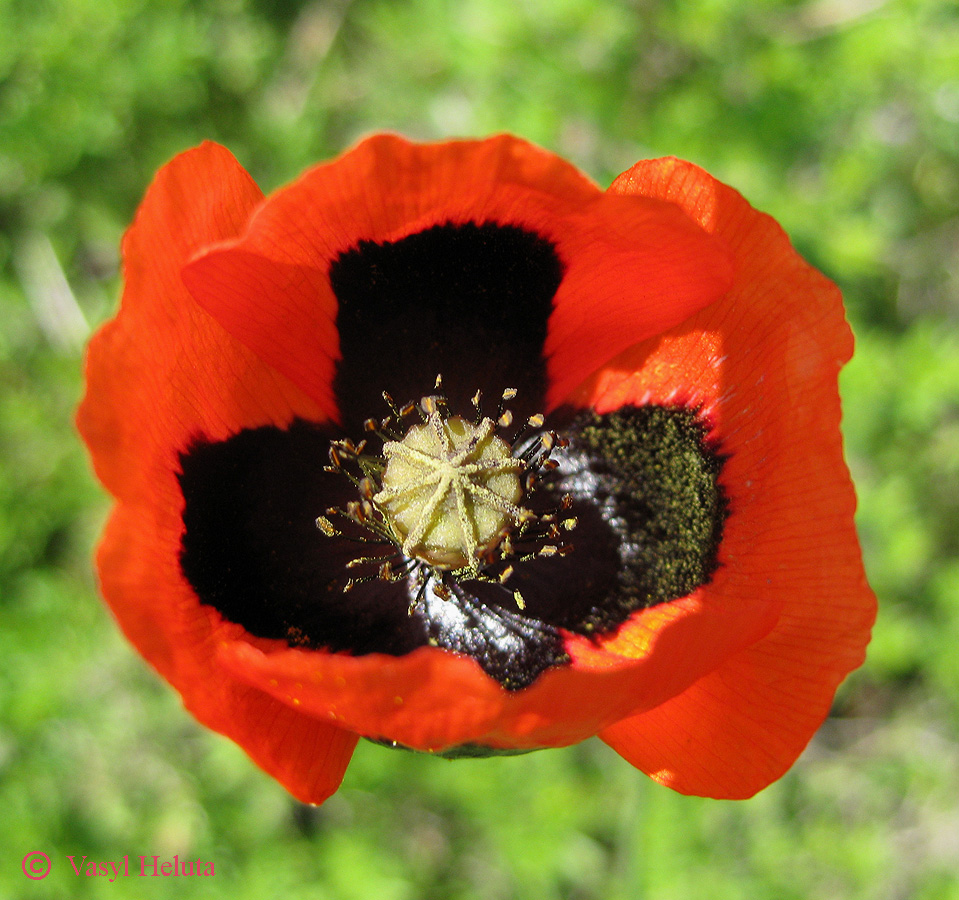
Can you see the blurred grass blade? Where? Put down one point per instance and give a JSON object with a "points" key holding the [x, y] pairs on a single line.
{"points": [[51, 299]]}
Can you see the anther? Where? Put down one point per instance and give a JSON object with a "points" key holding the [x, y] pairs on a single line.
{"points": [[326, 526]]}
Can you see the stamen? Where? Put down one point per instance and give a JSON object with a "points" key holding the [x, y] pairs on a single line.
{"points": [[443, 500]]}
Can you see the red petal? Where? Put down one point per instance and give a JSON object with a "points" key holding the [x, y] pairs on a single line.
{"points": [[634, 266], [159, 374], [763, 364], [141, 581], [636, 271], [163, 371], [432, 700]]}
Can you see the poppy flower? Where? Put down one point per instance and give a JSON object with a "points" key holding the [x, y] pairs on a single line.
{"points": [[445, 447]]}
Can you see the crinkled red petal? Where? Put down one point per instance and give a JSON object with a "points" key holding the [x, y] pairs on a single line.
{"points": [[762, 365], [433, 700], [163, 370], [141, 580], [158, 375], [634, 266]]}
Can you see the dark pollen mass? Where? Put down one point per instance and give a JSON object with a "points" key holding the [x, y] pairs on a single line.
{"points": [[656, 479]]}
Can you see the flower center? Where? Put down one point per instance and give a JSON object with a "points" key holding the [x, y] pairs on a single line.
{"points": [[450, 491], [441, 503]]}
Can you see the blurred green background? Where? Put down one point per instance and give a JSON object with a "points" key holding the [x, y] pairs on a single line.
{"points": [[839, 117]]}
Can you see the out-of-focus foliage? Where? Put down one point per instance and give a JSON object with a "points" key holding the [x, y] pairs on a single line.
{"points": [[840, 117]]}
